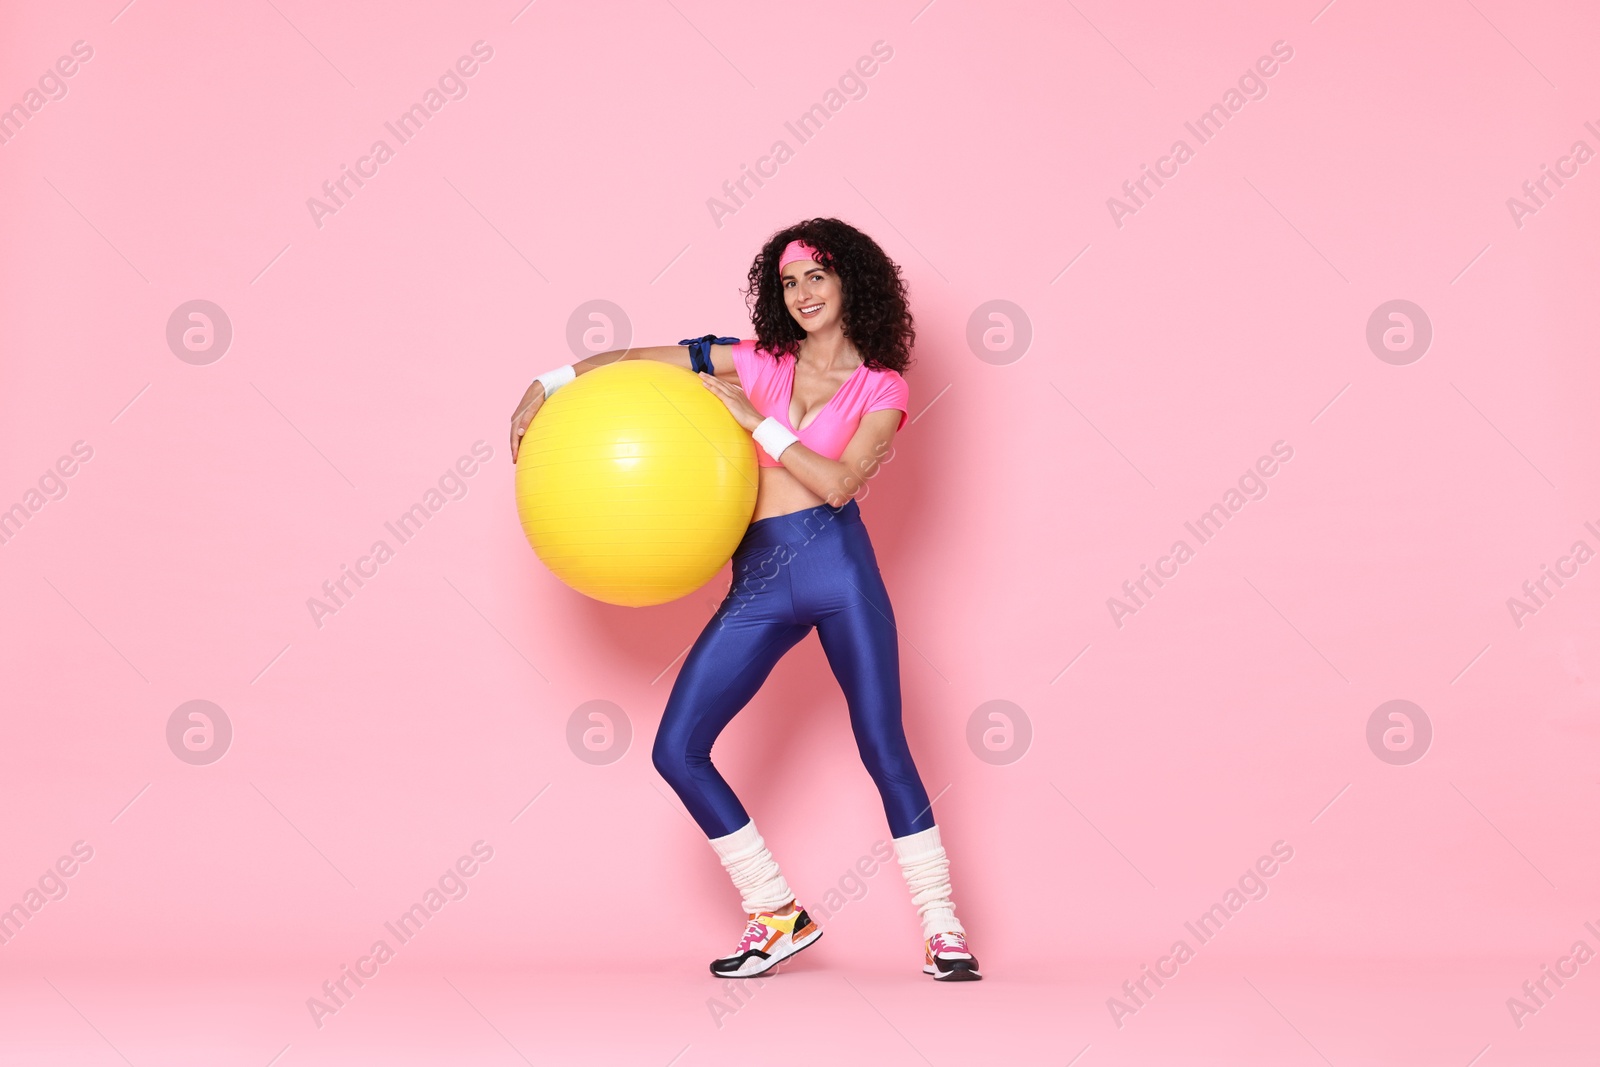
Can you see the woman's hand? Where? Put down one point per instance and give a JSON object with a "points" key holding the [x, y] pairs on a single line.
{"points": [[744, 412], [532, 400]]}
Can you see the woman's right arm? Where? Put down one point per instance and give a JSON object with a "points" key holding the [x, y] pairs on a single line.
{"points": [[677, 355]]}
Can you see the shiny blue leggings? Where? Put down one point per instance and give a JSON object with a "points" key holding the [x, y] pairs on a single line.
{"points": [[791, 572]]}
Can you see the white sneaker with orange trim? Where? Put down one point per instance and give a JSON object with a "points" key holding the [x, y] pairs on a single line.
{"points": [[768, 940], [948, 959]]}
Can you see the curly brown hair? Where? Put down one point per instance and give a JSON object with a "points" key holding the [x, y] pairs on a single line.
{"points": [[876, 318]]}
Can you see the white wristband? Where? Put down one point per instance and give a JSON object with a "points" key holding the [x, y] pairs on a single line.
{"points": [[555, 379], [772, 437]]}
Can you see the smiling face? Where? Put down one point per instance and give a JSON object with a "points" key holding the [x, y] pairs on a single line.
{"points": [[812, 294]]}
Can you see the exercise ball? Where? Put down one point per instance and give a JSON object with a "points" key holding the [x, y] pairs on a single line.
{"points": [[634, 483]]}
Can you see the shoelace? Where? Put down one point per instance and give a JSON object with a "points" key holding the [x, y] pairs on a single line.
{"points": [[754, 932], [949, 943]]}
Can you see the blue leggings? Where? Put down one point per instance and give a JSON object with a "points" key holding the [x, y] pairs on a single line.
{"points": [[791, 572]]}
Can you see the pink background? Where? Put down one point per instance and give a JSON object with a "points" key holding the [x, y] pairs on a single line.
{"points": [[368, 355]]}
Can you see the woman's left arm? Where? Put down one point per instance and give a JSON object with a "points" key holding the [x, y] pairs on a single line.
{"points": [[838, 481]]}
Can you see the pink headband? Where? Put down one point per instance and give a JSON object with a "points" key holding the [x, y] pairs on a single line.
{"points": [[796, 251]]}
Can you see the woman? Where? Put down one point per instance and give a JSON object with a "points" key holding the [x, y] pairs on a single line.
{"points": [[821, 392]]}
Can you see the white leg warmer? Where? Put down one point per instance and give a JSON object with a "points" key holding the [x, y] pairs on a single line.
{"points": [[754, 872], [927, 870]]}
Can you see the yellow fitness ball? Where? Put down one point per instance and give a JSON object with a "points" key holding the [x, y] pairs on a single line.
{"points": [[634, 483]]}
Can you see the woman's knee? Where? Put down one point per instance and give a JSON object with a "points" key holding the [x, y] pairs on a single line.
{"points": [[887, 756], [670, 756], [675, 757]]}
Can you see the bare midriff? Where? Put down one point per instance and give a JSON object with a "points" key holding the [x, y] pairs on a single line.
{"points": [[781, 493]]}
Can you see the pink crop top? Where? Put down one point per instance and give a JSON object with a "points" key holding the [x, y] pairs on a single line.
{"points": [[769, 383]]}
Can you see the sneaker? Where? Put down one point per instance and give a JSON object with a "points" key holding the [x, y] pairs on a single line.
{"points": [[948, 959], [768, 940]]}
